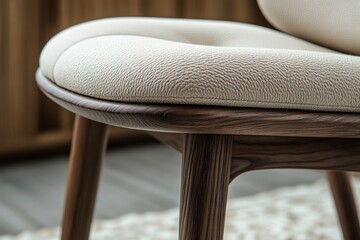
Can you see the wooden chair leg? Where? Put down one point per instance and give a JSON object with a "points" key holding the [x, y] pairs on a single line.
{"points": [[344, 200], [205, 180], [87, 152]]}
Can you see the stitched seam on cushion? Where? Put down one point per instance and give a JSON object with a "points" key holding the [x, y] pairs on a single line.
{"points": [[104, 35], [98, 36], [75, 43]]}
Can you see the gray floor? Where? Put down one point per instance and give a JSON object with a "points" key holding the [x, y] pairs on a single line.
{"points": [[135, 179]]}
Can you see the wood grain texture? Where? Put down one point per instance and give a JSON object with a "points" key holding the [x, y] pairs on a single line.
{"points": [[160, 8], [19, 49], [205, 180], [206, 119], [115, 8], [251, 153], [3, 67], [87, 153], [207, 9], [346, 207], [256, 153]]}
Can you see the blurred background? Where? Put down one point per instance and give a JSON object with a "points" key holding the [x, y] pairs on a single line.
{"points": [[140, 174]]}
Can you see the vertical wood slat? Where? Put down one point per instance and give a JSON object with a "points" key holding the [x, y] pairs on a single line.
{"points": [[215, 9], [3, 67], [114, 8], [73, 12], [20, 45], [192, 9], [160, 8], [208, 9]]}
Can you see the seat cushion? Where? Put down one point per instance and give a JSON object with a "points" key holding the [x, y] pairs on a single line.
{"points": [[332, 23], [200, 62]]}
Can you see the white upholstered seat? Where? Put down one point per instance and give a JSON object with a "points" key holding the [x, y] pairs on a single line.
{"points": [[203, 62]]}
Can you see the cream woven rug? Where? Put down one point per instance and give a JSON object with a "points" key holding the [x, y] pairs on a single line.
{"points": [[296, 213]]}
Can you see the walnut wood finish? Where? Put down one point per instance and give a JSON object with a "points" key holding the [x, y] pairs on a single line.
{"points": [[256, 153], [205, 119], [251, 153], [87, 152], [205, 180], [19, 53], [344, 200]]}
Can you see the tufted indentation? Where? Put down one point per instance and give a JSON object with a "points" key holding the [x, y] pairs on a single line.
{"points": [[200, 62]]}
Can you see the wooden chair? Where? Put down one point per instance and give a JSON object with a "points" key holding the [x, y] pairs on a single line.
{"points": [[296, 106]]}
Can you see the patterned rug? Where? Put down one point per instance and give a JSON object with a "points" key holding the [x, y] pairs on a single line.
{"points": [[296, 213]]}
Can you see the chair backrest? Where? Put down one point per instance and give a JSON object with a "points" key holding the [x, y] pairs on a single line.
{"points": [[331, 23]]}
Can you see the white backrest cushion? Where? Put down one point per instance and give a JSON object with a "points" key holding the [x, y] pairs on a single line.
{"points": [[331, 23]]}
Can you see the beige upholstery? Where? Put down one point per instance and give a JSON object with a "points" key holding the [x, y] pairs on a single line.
{"points": [[332, 23], [200, 62]]}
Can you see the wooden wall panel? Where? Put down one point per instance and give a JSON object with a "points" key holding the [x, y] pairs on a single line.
{"points": [[193, 9], [160, 8], [73, 12], [20, 46], [114, 8], [207, 9], [3, 66]]}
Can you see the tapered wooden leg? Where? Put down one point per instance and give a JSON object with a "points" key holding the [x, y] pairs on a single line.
{"points": [[346, 207], [205, 180], [87, 152]]}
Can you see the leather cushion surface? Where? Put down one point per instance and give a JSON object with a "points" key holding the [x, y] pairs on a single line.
{"points": [[331, 23], [200, 62]]}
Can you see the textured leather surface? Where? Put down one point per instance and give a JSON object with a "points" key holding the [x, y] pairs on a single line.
{"points": [[332, 23], [200, 62]]}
